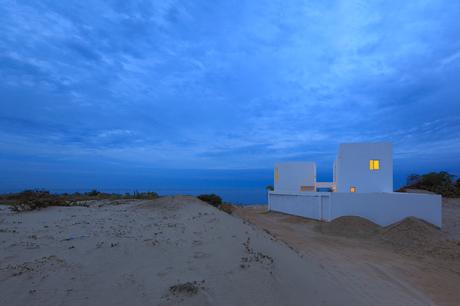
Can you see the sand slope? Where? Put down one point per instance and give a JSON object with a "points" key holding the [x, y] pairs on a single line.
{"points": [[410, 257], [175, 250]]}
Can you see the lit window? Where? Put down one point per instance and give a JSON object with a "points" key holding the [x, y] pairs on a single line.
{"points": [[276, 175], [352, 189], [307, 188], [374, 164]]}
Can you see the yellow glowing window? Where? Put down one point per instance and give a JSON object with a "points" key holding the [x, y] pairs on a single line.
{"points": [[374, 164], [352, 189], [276, 175]]}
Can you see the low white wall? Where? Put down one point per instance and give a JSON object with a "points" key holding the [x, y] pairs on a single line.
{"points": [[305, 205], [381, 208], [387, 208]]}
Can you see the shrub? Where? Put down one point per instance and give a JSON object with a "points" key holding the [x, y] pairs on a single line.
{"points": [[412, 179], [212, 199], [35, 199], [269, 188], [439, 182], [93, 193], [149, 195], [228, 208]]}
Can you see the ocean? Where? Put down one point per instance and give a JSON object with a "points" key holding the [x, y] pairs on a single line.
{"points": [[242, 187]]}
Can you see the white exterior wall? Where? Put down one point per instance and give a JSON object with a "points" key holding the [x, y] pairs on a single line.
{"points": [[307, 205], [381, 208], [293, 175], [387, 208], [351, 167]]}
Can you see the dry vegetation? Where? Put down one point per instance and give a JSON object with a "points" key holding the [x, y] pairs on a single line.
{"points": [[442, 183], [28, 200], [37, 199], [216, 201]]}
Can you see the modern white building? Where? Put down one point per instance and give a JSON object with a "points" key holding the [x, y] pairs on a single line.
{"points": [[364, 167], [362, 186], [295, 177]]}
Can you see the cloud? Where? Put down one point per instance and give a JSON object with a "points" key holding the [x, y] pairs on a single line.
{"points": [[220, 85]]}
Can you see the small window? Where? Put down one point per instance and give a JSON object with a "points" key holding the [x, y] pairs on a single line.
{"points": [[374, 164], [276, 175], [307, 188], [352, 189]]}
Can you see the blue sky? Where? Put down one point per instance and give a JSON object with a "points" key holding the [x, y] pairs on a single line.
{"points": [[89, 88]]}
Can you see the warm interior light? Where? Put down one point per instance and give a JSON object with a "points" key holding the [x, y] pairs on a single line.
{"points": [[352, 189], [307, 188], [374, 164], [276, 175]]}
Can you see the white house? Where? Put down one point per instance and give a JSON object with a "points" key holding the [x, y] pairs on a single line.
{"points": [[364, 167], [295, 176], [362, 186]]}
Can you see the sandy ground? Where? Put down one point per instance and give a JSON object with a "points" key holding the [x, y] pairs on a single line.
{"points": [[179, 250], [451, 218], [371, 266]]}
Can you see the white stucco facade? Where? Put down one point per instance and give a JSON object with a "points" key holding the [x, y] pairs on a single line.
{"points": [[295, 176], [362, 186], [351, 167]]}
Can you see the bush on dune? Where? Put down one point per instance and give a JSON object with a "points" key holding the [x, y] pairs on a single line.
{"points": [[228, 208], [93, 193], [35, 199], [212, 199], [28, 200], [438, 182], [216, 201], [145, 195]]}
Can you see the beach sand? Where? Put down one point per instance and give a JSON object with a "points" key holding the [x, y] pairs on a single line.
{"points": [[181, 251]]}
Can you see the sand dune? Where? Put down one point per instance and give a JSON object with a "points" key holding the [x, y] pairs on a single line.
{"points": [[174, 250]]}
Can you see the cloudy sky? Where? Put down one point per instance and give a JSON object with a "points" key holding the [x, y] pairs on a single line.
{"points": [[90, 87]]}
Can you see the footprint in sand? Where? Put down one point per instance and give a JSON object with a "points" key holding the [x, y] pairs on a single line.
{"points": [[200, 255], [197, 243]]}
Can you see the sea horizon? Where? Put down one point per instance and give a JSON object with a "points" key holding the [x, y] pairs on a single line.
{"points": [[241, 187]]}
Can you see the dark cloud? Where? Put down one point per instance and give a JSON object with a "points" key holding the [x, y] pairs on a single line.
{"points": [[217, 85]]}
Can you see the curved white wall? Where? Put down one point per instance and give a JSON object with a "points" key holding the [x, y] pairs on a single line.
{"points": [[387, 208], [381, 208]]}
